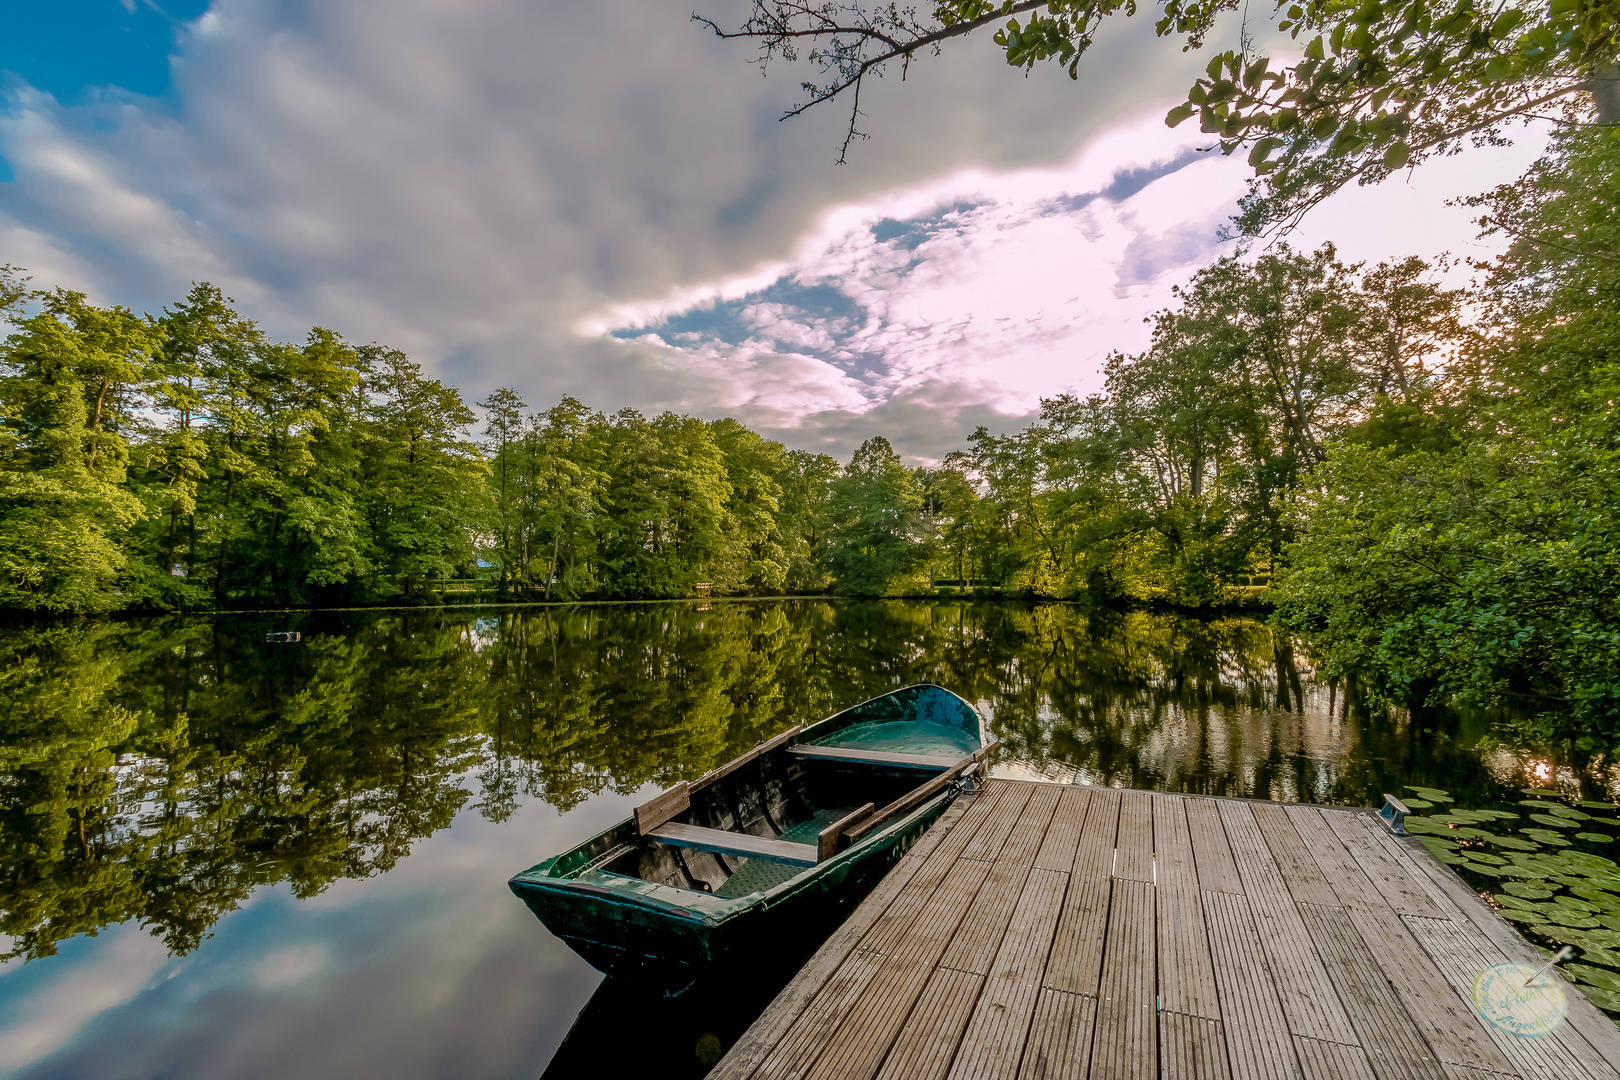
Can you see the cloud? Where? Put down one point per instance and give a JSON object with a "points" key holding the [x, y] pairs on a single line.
{"points": [[978, 292], [549, 195], [471, 181]]}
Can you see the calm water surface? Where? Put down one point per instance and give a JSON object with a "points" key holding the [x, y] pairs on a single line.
{"points": [[225, 858]]}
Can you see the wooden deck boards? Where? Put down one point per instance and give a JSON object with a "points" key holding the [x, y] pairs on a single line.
{"points": [[1049, 932]]}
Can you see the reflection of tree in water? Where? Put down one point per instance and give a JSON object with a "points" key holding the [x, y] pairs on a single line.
{"points": [[161, 770]]}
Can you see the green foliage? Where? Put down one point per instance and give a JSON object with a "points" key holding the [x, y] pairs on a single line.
{"points": [[879, 544], [1466, 546], [1380, 87], [67, 402], [806, 519]]}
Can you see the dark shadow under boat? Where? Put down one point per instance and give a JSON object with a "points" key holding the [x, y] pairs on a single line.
{"points": [[783, 840]]}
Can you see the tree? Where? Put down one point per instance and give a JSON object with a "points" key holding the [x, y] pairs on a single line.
{"points": [[1381, 87], [757, 561], [66, 399], [504, 432], [807, 517], [1480, 565], [664, 502], [423, 480], [878, 543]]}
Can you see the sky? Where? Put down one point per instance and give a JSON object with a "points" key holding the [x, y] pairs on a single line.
{"points": [[600, 200]]}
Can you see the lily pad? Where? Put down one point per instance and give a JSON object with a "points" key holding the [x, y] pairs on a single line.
{"points": [[1426, 825], [1437, 844], [1566, 917], [1598, 896], [1551, 793], [1540, 804], [1590, 805], [1572, 814], [1521, 915], [1483, 868], [1554, 820], [1514, 843], [1417, 804], [1485, 857], [1526, 890], [1595, 976], [1428, 793], [1595, 837], [1499, 815], [1589, 865], [1457, 817], [1585, 907], [1606, 1000], [1545, 836]]}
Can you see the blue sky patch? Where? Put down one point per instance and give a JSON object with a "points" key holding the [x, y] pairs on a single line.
{"points": [[1125, 183], [911, 233], [726, 321], [66, 47]]}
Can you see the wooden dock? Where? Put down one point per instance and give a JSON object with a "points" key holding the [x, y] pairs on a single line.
{"points": [[1044, 931]]}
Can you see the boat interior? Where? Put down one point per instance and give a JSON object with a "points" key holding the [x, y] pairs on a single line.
{"points": [[784, 799], [755, 822]]}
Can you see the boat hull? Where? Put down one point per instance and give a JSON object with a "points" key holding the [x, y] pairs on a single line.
{"points": [[670, 936]]}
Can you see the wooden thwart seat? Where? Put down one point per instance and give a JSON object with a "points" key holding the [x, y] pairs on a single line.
{"points": [[747, 845]]}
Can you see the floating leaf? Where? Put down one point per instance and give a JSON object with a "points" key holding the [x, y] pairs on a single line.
{"points": [[1485, 857], [1599, 805], [1425, 825], [1499, 815], [1482, 868], [1417, 804], [1428, 793], [1539, 804], [1571, 813], [1595, 837], [1526, 890], [1589, 890], [1570, 903], [1603, 999], [1521, 915], [1550, 792], [1545, 836], [1437, 844], [1514, 843], [1554, 820], [1594, 976], [1589, 864]]}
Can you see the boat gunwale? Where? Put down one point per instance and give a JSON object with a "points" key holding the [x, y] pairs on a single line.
{"points": [[731, 907], [697, 907]]}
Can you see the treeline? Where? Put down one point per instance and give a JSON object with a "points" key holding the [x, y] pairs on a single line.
{"points": [[1428, 476], [189, 460]]}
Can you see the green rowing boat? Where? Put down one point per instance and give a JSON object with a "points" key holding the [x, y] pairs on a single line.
{"points": [[774, 846]]}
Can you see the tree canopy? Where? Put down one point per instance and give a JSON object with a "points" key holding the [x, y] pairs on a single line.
{"points": [[1376, 88]]}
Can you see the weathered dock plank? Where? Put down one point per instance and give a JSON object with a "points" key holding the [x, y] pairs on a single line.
{"points": [[1049, 932]]}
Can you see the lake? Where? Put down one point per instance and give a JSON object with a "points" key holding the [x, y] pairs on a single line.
{"points": [[225, 857]]}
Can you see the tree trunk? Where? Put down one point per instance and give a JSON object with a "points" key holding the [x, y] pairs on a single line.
{"points": [[1605, 87], [551, 571]]}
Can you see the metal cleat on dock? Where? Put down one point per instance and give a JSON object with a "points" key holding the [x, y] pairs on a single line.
{"points": [[1394, 814]]}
